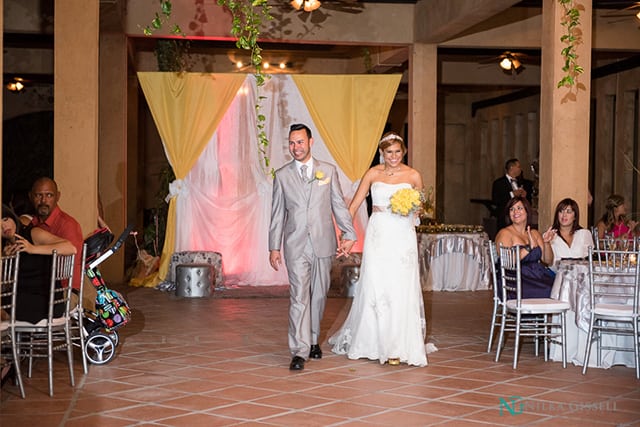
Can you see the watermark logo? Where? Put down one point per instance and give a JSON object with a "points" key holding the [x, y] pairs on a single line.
{"points": [[515, 405]]}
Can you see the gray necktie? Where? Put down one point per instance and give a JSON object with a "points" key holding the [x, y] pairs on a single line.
{"points": [[303, 173]]}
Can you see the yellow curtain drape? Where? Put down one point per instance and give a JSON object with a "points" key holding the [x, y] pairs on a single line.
{"points": [[350, 112], [187, 108]]}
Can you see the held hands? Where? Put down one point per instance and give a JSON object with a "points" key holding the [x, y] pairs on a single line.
{"points": [[22, 244], [10, 249], [345, 248], [19, 245]]}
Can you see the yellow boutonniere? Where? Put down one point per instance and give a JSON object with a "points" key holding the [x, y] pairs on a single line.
{"points": [[320, 177]]}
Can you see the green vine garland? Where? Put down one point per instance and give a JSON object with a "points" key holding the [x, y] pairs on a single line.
{"points": [[247, 18], [161, 18], [570, 21]]}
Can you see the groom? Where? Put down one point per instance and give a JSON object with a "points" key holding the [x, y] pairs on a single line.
{"points": [[306, 199]]}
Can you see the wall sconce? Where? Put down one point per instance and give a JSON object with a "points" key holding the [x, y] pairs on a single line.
{"points": [[306, 5], [16, 85]]}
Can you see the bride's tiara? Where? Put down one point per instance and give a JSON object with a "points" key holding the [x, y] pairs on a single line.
{"points": [[391, 137]]}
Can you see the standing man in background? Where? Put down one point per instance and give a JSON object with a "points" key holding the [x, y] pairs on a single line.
{"points": [[505, 188]]}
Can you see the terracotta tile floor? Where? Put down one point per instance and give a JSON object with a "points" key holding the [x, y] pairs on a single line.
{"points": [[224, 361]]}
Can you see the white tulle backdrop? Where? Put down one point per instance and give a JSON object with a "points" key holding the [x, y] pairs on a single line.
{"points": [[225, 200]]}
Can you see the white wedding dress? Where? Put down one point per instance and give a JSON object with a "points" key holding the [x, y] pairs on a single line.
{"points": [[387, 318]]}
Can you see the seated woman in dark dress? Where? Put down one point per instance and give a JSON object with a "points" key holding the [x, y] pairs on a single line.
{"points": [[535, 249], [34, 274]]}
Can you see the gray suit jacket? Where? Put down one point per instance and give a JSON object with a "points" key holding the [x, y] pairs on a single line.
{"points": [[306, 210]]}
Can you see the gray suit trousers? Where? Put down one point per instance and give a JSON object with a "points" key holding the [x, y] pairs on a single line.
{"points": [[309, 278]]}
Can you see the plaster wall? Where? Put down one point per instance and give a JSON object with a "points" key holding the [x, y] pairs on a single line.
{"points": [[374, 24]]}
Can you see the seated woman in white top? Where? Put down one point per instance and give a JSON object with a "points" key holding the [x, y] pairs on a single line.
{"points": [[571, 240]]}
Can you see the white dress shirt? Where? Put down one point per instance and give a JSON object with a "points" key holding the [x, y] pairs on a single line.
{"points": [[309, 164], [514, 185]]}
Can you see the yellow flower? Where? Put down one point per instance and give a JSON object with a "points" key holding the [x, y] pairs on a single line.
{"points": [[406, 201], [319, 175]]}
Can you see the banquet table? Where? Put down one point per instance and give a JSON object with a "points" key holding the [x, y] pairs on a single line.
{"points": [[572, 285], [454, 261]]}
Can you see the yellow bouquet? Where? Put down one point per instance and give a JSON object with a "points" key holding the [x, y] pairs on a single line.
{"points": [[406, 201]]}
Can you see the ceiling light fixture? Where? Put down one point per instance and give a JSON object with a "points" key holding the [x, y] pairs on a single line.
{"points": [[306, 5], [16, 85], [505, 64], [510, 64]]}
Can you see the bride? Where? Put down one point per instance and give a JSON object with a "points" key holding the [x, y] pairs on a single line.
{"points": [[386, 321]]}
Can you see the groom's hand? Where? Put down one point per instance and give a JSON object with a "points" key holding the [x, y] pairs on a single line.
{"points": [[345, 248], [275, 259]]}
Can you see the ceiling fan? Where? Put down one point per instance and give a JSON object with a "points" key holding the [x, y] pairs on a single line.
{"points": [[346, 6], [626, 12], [510, 63]]}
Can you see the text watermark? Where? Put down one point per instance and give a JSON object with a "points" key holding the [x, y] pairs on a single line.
{"points": [[515, 405]]}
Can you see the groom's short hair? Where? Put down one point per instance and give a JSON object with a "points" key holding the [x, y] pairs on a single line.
{"points": [[299, 126]]}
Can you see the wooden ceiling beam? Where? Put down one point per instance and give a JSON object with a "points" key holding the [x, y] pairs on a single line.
{"points": [[439, 20]]}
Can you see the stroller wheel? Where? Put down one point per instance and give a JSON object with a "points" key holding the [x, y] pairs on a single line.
{"points": [[99, 349], [113, 335]]}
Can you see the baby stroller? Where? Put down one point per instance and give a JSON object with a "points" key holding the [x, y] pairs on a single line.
{"points": [[111, 310]]}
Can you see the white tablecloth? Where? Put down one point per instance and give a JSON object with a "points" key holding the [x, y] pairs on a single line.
{"points": [[454, 261], [572, 285]]}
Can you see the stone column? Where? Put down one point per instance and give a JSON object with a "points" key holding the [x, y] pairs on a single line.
{"points": [[1, 92], [564, 115], [423, 95], [113, 149], [75, 121]]}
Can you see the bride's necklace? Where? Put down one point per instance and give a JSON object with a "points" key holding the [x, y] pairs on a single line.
{"points": [[390, 171]]}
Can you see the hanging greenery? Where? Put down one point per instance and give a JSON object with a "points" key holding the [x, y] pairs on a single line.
{"points": [[247, 18], [571, 37], [172, 55], [161, 18]]}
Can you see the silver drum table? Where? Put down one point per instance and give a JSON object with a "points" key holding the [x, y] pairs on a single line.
{"points": [[194, 280]]}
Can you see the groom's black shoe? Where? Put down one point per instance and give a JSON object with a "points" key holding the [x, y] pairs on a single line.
{"points": [[315, 352], [297, 364]]}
